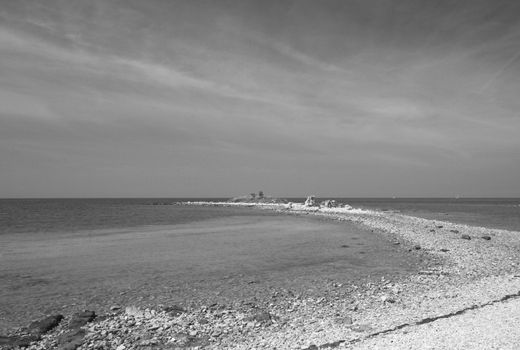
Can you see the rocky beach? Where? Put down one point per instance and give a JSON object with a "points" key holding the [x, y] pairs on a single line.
{"points": [[461, 293]]}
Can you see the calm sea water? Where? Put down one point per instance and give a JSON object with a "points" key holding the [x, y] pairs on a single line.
{"points": [[502, 213], [71, 215]]}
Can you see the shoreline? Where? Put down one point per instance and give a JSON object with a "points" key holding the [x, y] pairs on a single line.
{"points": [[468, 275]]}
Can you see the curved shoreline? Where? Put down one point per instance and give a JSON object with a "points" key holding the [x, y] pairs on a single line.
{"points": [[475, 273]]}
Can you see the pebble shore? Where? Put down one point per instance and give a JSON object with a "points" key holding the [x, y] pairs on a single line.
{"points": [[466, 269]]}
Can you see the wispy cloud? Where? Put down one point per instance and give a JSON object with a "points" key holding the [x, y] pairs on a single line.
{"points": [[299, 56], [500, 71], [131, 69], [289, 90]]}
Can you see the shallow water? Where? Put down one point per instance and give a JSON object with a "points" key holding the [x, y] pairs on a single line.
{"points": [[229, 258]]}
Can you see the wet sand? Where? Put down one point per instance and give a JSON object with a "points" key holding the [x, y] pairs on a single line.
{"points": [[218, 260]]}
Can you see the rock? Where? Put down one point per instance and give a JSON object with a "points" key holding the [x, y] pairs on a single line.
{"points": [[454, 231], [81, 318], [174, 310], [387, 299], [4, 340], [444, 250], [346, 320], [417, 247], [345, 246], [18, 341], [134, 311], [465, 236], [487, 238], [44, 325], [439, 226], [311, 201], [361, 328], [71, 340], [115, 308], [261, 317], [329, 203]]}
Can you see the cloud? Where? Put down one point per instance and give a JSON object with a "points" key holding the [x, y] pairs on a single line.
{"points": [[500, 71], [305, 59], [292, 89]]}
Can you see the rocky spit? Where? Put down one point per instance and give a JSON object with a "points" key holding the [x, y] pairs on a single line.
{"points": [[468, 269]]}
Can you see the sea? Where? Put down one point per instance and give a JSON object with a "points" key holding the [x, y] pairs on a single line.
{"points": [[78, 215], [65, 255]]}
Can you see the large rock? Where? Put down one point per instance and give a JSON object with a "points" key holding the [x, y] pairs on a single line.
{"points": [[71, 340], [44, 325], [311, 201], [174, 310], [329, 203], [18, 341], [80, 319]]}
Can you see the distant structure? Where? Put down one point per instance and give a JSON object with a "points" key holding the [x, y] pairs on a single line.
{"points": [[257, 198]]}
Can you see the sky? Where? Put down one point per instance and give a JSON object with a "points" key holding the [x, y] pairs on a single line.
{"points": [[166, 98]]}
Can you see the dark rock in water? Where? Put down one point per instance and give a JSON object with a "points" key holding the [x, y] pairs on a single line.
{"points": [[174, 310], [44, 325], [487, 238], [115, 308], [417, 247], [444, 250], [81, 318], [4, 340], [465, 236], [18, 341], [454, 231], [71, 340]]}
